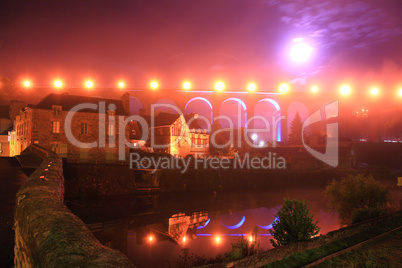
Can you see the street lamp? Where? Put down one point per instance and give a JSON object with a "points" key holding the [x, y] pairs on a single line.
{"points": [[89, 84], [27, 83], [58, 84], [283, 88], [374, 91], [254, 137], [154, 85], [314, 89], [345, 90], [251, 87], [186, 85], [220, 86]]}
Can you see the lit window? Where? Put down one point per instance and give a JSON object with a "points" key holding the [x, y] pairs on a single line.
{"points": [[84, 128], [56, 126], [110, 130]]}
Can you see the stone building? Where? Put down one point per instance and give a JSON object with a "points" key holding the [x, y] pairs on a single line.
{"points": [[171, 134], [7, 114], [91, 133]]}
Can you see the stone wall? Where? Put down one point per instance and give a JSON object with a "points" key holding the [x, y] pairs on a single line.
{"points": [[47, 234]]}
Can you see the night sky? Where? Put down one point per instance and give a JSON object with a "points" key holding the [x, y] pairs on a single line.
{"points": [[236, 41]]}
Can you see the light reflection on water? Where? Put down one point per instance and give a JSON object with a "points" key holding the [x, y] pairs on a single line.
{"points": [[152, 230]]}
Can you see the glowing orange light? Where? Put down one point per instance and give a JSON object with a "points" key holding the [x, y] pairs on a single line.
{"points": [[314, 89], [218, 239], [251, 87], [250, 239], [154, 85], [89, 84], [121, 84], [58, 83], [400, 92], [283, 88], [27, 83], [345, 90], [220, 86], [150, 238], [374, 91], [184, 239], [186, 85]]}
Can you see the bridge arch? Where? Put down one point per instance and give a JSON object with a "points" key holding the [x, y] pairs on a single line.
{"points": [[204, 109], [268, 109], [239, 118]]}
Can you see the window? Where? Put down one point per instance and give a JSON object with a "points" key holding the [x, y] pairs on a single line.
{"points": [[56, 110], [56, 126], [84, 128], [110, 130]]}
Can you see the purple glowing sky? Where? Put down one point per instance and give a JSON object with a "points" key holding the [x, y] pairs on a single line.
{"points": [[202, 41]]}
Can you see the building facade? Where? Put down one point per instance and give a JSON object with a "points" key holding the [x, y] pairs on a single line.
{"points": [[91, 133], [7, 115], [171, 134]]}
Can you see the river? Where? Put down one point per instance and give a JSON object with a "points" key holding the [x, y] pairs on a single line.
{"points": [[152, 230]]}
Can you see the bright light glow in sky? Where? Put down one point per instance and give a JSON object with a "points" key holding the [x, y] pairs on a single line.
{"points": [[300, 50]]}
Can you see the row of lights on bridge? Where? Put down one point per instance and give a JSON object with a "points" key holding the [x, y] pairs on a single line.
{"points": [[220, 86], [217, 239]]}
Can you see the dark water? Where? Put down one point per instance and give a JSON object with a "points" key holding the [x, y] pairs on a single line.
{"points": [[152, 230]]}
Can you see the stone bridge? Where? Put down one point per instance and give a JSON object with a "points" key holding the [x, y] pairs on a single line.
{"points": [[237, 105]]}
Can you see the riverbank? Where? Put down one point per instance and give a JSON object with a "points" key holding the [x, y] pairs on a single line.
{"points": [[305, 253], [87, 181], [382, 252]]}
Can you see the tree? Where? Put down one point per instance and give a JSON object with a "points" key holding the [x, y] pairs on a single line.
{"points": [[354, 193], [293, 223], [296, 129]]}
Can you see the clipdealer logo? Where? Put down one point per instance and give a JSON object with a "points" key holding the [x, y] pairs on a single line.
{"points": [[271, 161]]}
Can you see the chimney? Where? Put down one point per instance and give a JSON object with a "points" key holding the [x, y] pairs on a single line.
{"points": [[125, 99]]}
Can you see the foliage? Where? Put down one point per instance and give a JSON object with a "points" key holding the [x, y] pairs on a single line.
{"points": [[356, 192], [296, 129], [242, 248], [228, 151], [294, 223], [362, 214], [300, 259], [189, 260]]}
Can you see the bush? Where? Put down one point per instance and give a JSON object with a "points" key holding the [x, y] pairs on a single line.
{"points": [[356, 192], [293, 223], [362, 214]]}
